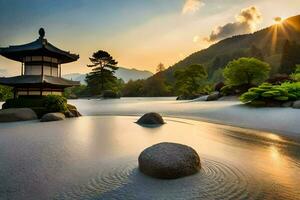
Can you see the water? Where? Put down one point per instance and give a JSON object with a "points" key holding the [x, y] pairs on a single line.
{"points": [[95, 157], [283, 121]]}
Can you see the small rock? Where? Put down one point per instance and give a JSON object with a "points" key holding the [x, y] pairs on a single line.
{"points": [[17, 114], [69, 114], [169, 161], [296, 104], [72, 111], [52, 117], [213, 96], [75, 113], [151, 119]]}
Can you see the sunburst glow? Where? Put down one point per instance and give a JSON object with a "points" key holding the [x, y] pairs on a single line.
{"points": [[278, 20]]}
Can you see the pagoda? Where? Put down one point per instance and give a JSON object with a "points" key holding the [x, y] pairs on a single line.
{"points": [[40, 68]]}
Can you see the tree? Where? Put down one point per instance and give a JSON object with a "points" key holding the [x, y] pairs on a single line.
{"points": [[296, 75], [134, 88], [160, 67], [155, 86], [75, 92], [190, 80], [102, 75], [249, 71]]}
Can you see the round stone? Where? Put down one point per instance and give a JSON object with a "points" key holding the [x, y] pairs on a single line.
{"points": [[17, 114], [49, 117], [151, 119], [169, 161]]}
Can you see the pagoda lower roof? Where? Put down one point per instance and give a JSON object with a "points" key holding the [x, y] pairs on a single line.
{"points": [[40, 47], [31, 80]]}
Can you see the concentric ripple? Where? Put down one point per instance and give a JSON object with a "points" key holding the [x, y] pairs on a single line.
{"points": [[216, 180]]}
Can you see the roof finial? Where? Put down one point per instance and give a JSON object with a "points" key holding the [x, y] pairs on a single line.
{"points": [[42, 33]]}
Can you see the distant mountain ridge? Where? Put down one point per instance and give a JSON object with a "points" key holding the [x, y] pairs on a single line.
{"points": [[124, 73], [266, 43]]}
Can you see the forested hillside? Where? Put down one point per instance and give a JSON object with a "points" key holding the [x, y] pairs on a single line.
{"points": [[267, 44]]}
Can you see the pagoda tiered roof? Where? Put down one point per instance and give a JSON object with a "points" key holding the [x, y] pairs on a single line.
{"points": [[38, 47], [37, 79]]}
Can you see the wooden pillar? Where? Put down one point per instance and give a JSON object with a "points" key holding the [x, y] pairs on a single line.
{"points": [[22, 69], [59, 70]]}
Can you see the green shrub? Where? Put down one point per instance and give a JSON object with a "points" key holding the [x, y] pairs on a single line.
{"points": [[24, 102], [249, 96], [40, 104], [257, 90], [272, 93], [235, 89], [296, 75], [55, 103], [5, 93], [227, 90]]}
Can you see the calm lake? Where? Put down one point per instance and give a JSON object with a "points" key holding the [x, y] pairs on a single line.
{"points": [[95, 157]]}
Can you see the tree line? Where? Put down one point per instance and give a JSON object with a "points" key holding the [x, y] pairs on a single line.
{"points": [[189, 82]]}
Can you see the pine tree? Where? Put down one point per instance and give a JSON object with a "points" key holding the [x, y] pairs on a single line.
{"points": [[160, 68], [104, 67]]}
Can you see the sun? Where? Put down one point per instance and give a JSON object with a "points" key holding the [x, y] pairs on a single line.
{"points": [[278, 20]]}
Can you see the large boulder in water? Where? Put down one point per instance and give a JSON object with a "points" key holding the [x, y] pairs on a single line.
{"points": [[151, 119], [169, 161], [17, 114], [49, 117]]}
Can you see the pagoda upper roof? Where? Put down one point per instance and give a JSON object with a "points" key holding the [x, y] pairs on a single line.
{"points": [[39, 47], [37, 79]]}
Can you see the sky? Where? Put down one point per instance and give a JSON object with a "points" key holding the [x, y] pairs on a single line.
{"points": [[137, 33]]}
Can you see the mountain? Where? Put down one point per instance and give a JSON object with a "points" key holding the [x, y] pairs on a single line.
{"points": [[76, 77], [132, 74], [123, 73], [266, 44]]}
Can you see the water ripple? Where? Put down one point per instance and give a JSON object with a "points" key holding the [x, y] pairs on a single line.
{"points": [[216, 180]]}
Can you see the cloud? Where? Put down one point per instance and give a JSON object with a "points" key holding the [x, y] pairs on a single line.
{"points": [[245, 22], [191, 6]]}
